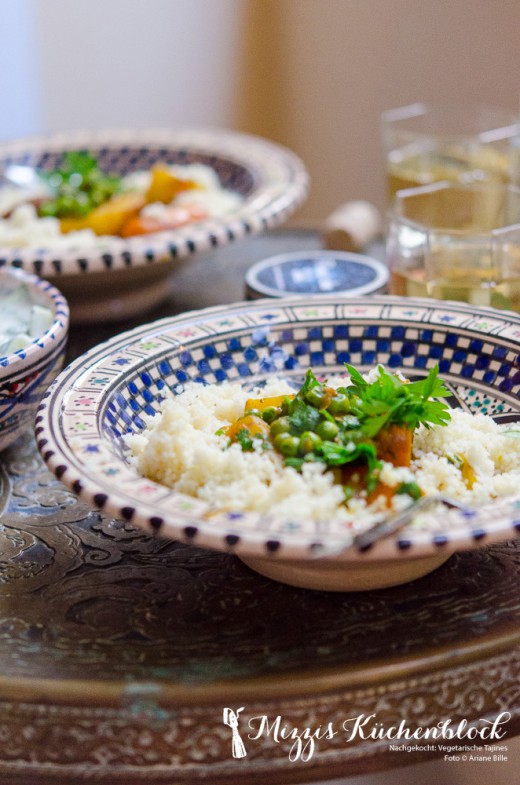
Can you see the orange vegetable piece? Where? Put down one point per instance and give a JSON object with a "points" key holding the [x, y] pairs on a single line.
{"points": [[173, 218], [468, 474], [72, 224], [165, 186], [394, 445], [264, 403], [328, 394], [254, 425], [109, 217], [382, 490], [355, 475]]}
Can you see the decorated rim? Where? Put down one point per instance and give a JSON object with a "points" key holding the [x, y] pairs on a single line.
{"points": [[272, 180], [104, 394], [43, 293]]}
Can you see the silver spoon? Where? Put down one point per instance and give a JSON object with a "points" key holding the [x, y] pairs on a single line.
{"points": [[390, 525], [20, 176], [395, 522]]}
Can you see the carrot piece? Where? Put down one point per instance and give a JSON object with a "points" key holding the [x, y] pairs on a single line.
{"points": [[109, 217], [173, 218], [394, 445]]}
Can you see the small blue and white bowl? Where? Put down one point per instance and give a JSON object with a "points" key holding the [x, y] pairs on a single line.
{"points": [[307, 273], [106, 393], [26, 373]]}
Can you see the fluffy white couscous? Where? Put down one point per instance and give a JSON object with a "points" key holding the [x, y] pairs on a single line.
{"points": [[185, 449]]}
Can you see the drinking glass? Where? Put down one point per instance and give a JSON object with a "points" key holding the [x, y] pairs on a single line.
{"points": [[426, 143], [457, 242]]}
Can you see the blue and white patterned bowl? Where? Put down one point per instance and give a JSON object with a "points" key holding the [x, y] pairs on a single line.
{"points": [[103, 395], [119, 278], [26, 374]]}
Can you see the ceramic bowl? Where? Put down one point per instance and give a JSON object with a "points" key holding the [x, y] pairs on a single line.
{"points": [[103, 395], [26, 374], [120, 278]]}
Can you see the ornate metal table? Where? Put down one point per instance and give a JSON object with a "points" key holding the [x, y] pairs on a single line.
{"points": [[119, 652]]}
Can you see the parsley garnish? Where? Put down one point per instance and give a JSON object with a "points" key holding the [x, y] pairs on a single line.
{"points": [[302, 416], [78, 186], [389, 400], [245, 440], [341, 427], [309, 383], [410, 489], [249, 442]]}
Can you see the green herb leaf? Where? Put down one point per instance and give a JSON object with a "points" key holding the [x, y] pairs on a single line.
{"points": [[245, 440], [334, 454], [78, 186], [296, 463], [309, 383], [411, 489], [389, 400], [302, 417]]}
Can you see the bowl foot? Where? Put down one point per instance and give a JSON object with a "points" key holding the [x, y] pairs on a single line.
{"points": [[116, 295], [345, 576]]}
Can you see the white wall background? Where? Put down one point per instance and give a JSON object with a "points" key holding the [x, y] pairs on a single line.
{"points": [[20, 93], [311, 74], [137, 63]]}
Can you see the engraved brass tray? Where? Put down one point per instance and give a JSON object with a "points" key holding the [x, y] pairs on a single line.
{"points": [[120, 651]]}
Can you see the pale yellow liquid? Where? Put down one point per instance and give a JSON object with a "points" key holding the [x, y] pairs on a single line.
{"points": [[466, 287], [481, 164]]}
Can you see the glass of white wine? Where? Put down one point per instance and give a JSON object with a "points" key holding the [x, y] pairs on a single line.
{"points": [[426, 143], [455, 241]]}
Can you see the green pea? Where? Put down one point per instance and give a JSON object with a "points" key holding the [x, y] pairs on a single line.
{"points": [[309, 441], [254, 412], [327, 430], [280, 425], [270, 413], [340, 404], [353, 437], [349, 421], [287, 444], [314, 396], [286, 405]]}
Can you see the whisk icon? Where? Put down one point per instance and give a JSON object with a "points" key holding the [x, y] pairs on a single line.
{"points": [[230, 718]]}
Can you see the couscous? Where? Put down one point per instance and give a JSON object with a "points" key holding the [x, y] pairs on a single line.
{"points": [[197, 446]]}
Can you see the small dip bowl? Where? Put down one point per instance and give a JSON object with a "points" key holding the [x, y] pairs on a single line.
{"points": [[26, 373]]}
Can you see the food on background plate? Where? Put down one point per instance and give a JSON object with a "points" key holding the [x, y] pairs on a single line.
{"points": [[347, 450], [78, 203], [21, 319]]}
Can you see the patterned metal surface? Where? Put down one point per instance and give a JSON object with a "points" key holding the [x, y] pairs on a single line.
{"points": [[118, 651]]}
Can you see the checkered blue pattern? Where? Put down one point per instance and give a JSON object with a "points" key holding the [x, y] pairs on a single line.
{"points": [[126, 159], [248, 356]]}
